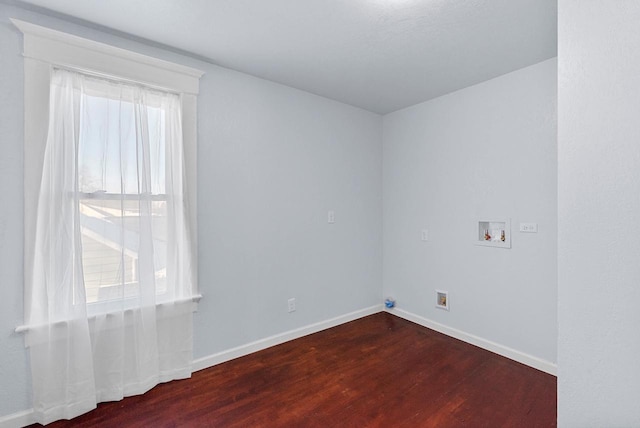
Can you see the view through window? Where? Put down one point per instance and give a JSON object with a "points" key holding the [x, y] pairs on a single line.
{"points": [[121, 179]]}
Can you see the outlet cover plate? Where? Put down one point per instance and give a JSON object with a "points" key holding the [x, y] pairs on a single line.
{"points": [[529, 227]]}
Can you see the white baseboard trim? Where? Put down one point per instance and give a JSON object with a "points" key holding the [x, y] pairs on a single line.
{"points": [[496, 348], [17, 420], [25, 418], [259, 345]]}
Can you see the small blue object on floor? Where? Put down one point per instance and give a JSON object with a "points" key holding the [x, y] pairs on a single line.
{"points": [[389, 303]]}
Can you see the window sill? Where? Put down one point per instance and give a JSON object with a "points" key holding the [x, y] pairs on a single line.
{"points": [[159, 306]]}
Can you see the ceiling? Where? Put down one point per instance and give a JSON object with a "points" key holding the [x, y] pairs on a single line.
{"points": [[381, 55]]}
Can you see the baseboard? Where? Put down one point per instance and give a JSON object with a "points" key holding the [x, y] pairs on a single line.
{"points": [[25, 418], [17, 420], [258, 345], [496, 348]]}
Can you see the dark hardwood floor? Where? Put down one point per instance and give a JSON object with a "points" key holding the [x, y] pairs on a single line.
{"points": [[378, 371]]}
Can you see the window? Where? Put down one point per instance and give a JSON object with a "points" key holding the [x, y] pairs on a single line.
{"points": [[111, 171], [110, 230], [111, 221]]}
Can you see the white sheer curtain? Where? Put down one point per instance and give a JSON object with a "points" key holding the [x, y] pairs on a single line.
{"points": [[109, 307]]}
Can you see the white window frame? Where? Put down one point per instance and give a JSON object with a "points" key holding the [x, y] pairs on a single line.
{"points": [[44, 49]]}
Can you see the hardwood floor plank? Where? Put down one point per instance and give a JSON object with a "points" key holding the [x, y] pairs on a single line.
{"points": [[380, 370]]}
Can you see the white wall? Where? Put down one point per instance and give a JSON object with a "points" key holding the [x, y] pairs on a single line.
{"points": [[484, 152], [599, 213], [272, 161]]}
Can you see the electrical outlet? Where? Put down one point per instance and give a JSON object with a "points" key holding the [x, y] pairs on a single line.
{"points": [[331, 217], [529, 227], [291, 303], [425, 235]]}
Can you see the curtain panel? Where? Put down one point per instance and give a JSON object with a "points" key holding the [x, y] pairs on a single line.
{"points": [[109, 305]]}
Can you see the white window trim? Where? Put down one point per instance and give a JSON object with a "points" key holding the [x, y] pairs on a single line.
{"points": [[69, 51], [44, 49]]}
